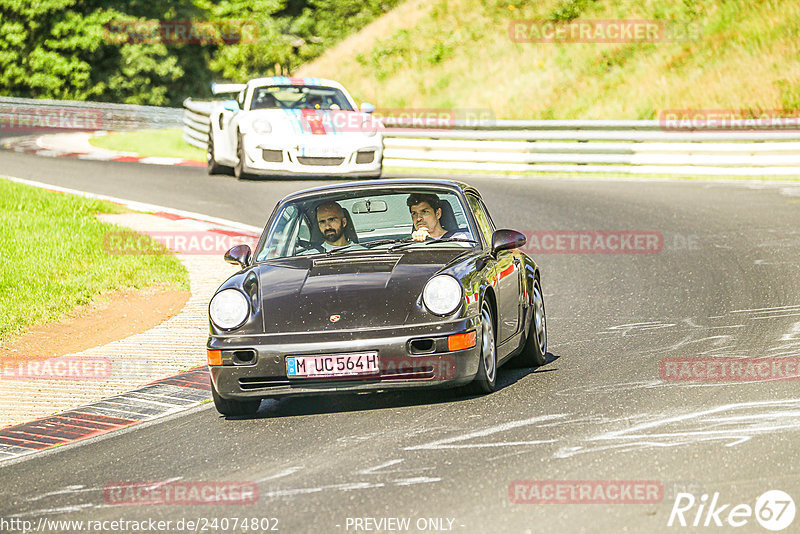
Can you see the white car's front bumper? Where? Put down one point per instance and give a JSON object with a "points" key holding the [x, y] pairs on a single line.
{"points": [[353, 155]]}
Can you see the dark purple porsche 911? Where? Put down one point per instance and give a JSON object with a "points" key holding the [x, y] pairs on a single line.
{"points": [[374, 286]]}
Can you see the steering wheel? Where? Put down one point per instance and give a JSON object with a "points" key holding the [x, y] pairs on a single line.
{"points": [[304, 246]]}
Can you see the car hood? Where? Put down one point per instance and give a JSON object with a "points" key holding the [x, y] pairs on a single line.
{"points": [[315, 121], [347, 291]]}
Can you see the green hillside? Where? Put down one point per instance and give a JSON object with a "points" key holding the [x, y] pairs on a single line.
{"points": [[720, 54]]}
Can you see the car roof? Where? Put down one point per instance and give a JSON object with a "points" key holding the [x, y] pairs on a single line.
{"points": [[286, 80], [382, 184]]}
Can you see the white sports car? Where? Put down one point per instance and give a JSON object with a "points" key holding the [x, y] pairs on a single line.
{"points": [[283, 126]]}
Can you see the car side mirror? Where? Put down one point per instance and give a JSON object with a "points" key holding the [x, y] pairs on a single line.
{"points": [[366, 107], [238, 255], [231, 105], [507, 240]]}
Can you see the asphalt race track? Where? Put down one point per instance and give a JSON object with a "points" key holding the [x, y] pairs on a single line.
{"points": [[725, 284]]}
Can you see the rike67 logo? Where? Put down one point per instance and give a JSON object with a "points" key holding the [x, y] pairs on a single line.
{"points": [[774, 510]]}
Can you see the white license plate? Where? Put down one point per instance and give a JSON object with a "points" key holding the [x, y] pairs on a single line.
{"points": [[321, 152], [356, 364]]}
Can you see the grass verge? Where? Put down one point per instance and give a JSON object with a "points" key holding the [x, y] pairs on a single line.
{"points": [[461, 54], [54, 258], [166, 143]]}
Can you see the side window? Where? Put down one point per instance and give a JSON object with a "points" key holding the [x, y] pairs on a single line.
{"points": [[279, 240], [488, 216], [240, 98], [304, 232], [484, 223]]}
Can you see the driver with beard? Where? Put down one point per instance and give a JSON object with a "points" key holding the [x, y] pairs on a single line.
{"points": [[332, 222]]}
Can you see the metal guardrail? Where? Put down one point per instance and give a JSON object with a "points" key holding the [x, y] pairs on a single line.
{"points": [[196, 122], [28, 114], [628, 147]]}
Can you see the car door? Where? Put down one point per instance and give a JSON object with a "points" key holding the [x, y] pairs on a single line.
{"points": [[505, 276]]}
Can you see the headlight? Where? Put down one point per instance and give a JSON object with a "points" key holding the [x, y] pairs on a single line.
{"points": [[262, 126], [442, 294], [228, 309]]}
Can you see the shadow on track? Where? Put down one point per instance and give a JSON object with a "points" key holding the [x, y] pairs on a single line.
{"points": [[356, 402]]}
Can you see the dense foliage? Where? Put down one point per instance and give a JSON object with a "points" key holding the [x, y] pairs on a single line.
{"points": [[143, 52]]}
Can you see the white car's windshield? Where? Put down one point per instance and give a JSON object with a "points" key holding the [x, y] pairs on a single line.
{"points": [[367, 219], [299, 97]]}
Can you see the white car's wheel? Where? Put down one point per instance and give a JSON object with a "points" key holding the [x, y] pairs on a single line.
{"points": [[213, 166], [239, 168]]}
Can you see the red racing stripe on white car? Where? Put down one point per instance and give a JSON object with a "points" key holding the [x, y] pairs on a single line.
{"points": [[313, 121]]}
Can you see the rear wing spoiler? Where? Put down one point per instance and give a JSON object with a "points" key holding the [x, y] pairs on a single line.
{"points": [[221, 88]]}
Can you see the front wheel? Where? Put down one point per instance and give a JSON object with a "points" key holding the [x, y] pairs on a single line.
{"points": [[234, 407], [486, 379], [535, 350], [213, 166], [238, 169]]}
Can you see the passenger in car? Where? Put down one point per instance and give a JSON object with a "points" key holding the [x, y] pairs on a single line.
{"points": [[426, 215]]}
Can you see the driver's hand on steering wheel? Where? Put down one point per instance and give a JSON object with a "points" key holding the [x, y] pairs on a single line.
{"points": [[420, 234]]}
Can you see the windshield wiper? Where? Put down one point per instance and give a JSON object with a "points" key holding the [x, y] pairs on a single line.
{"points": [[399, 243], [407, 242], [386, 242], [450, 240], [338, 249], [368, 245]]}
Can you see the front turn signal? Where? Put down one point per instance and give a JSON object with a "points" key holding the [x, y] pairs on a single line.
{"points": [[462, 341], [214, 357]]}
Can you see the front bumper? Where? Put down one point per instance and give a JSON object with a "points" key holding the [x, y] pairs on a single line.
{"points": [[308, 155], [401, 363]]}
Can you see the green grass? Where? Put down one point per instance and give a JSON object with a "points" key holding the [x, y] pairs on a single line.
{"points": [[54, 258], [717, 54], [166, 143]]}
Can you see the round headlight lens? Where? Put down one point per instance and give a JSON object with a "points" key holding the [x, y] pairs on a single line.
{"points": [[262, 126], [442, 294], [228, 309]]}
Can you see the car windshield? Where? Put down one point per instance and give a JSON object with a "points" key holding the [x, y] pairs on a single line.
{"points": [[299, 97], [341, 222]]}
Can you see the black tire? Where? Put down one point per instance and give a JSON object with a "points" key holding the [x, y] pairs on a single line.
{"points": [[534, 353], [238, 169], [213, 166], [233, 407], [486, 379]]}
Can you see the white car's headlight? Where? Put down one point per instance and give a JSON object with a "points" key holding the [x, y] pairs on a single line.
{"points": [[262, 126], [442, 294], [228, 309]]}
